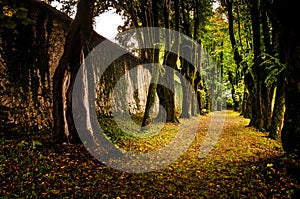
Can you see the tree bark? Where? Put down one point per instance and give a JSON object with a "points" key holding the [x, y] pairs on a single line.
{"points": [[166, 95], [285, 14], [71, 45], [278, 110], [186, 67], [290, 46], [257, 112], [267, 89], [77, 40], [154, 58], [279, 105], [237, 57]]}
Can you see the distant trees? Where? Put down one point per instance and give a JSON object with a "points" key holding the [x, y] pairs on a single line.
{"points": [[271, 75], [256, 57], [188, 17]]}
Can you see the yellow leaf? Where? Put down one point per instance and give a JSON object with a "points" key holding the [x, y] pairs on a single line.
{"points": [[8, 13], [55, 191]]}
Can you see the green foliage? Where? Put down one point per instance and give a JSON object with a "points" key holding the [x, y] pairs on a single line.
{"points": [[274, 67], [229, 102], [36, 144], [204, 96], [27, 145], [11, 16]]}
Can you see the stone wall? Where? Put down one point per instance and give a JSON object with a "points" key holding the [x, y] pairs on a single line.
{"points": [[29, 55]]}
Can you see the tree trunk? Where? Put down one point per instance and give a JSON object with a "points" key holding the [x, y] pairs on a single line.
{"points": [[237, 57], [278, 110], [85, 15], [186, 100], [267, 89], [77, 40], [153, 56], [291, 129], [246, 105], [267, 97], [71, 44], [279, 105], [185, 71], [257, 112], [166, 95], [233, 95], [286, 14]]}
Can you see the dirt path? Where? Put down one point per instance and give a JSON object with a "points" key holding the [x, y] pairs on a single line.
{"points": [[242, 164]]}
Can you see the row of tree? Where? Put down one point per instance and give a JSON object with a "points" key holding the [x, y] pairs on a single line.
{"points": [[253, 43], [265, 47], [181, 16]]}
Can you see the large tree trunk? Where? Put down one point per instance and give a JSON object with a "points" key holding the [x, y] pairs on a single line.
{"points": [[279, 104], [76, 42], [153, 57], [233, 94], [186, 90], [249, 84], [186, 67], [257, 112], [196, 59], [267, 89], [71, 48], [237, 57], [291, 129], [85, 15], [246, 105], [197, 101], [287, 14], [166, 95]]}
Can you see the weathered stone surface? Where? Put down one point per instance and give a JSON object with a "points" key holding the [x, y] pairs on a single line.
{"points": [[29, 55]]}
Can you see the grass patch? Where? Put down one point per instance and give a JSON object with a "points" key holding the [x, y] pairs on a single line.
{"points": [[127, 134]]}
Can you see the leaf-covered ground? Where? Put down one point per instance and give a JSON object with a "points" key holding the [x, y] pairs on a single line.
{"points": [[243, 164]]}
